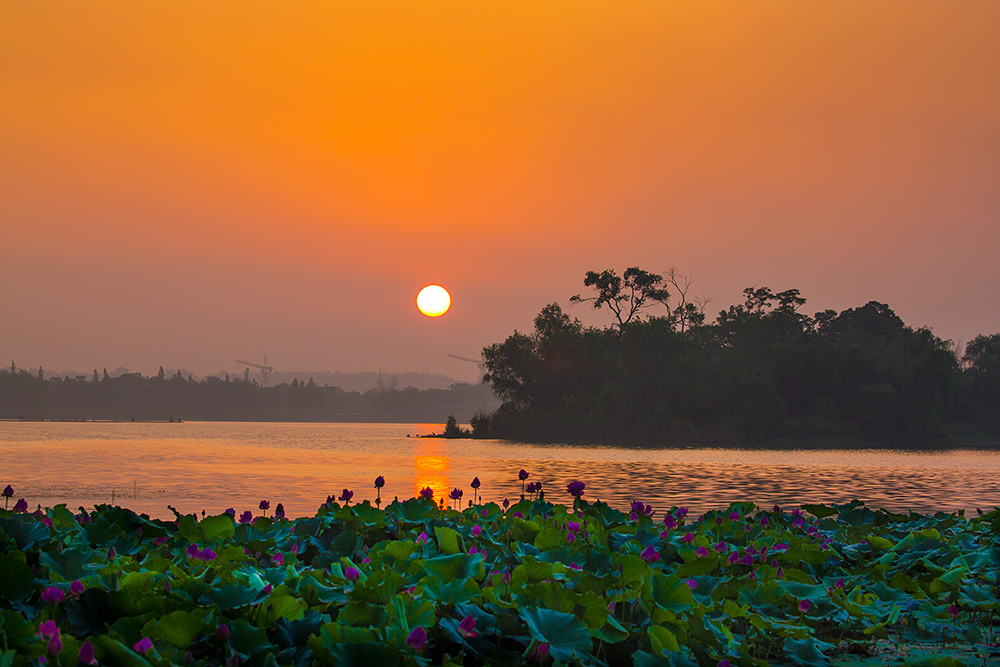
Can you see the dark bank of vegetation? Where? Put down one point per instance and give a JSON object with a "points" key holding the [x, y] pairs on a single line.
{"points": [[30, 395], [762, 372]]}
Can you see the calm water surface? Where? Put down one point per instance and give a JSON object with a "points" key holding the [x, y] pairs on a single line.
{"points": [[213, 466]]}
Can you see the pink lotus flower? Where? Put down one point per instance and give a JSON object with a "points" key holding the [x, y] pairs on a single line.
{"points": [[688, 538], [734, 515], [570, 538], [207, 554], [506, 577], [427, 492], [264, 505], [456, 494], [721, 547], [691, 583], [477, 531], [522, 474], [47, 629], [804, 606], [143, 646], [55, 644], [417, 639], [734, 558], [475, 483], [222, 632], [279, 511], [346, 495], [573, 526], [53, 594], [467, 628], [669, 521], [540, 653], [575, 489], [379, 482], [839, 583], [352, 574], [76, 589], [192, 551], [954, 611], [649, 554], [86, 654], [21, 505], [422, 538], [246, 517], [278, 559], [722, 663], [702, 552]]}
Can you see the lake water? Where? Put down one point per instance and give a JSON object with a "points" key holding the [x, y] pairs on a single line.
{"points": [[211, 466]]}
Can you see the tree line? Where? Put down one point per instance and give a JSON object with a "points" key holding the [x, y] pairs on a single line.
{"points": [[28, 394], [762, 371]]}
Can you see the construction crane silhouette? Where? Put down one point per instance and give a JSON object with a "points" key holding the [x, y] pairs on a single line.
{"points": [[477, 362], [265, 370]]}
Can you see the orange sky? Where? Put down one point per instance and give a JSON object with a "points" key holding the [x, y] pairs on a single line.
{"points": [[188, 183]]}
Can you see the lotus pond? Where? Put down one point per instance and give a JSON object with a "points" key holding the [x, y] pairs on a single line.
{"points": [[535, 583]]}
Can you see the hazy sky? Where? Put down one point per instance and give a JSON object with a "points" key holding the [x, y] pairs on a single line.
{"points": [[188, 183]]}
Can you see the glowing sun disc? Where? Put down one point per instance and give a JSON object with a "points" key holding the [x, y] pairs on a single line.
{"points": [[433, 301]]}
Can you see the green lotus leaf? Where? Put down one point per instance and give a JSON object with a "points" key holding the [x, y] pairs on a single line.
{"points": [[283, 606], [401, 550], [808, 652], [17, 581], [119, 654], [26, 535], [820, 511], [564, 633], [671, 593], [455, 591], [379, 587], [662, 639], [879, 543], [456, 566], [248, 639], [179, 628], [361, 614], [366, 654], [447, 539]]}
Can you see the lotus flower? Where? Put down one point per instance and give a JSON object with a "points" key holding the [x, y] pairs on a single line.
{"points": [[669, 521], [649, 554], [522, 475], [76, 589], [207, 554], [506, 503], [954, 611], [839, 583], [55, 644], [264, 505], [422, 538], [456, 494], [222, 632], [734, 558], [379, 482], [722, 663], [573, 526], [691, 583], [246, 517], [47, 629], [702, 552], [721, 547], [575, 489], [688, 538], [804, 606], [231, 512], [143, 646], [8, 493], [278, 559], [346, 496], [427, 492], [53, 594], [279, 511], [267, 589], [467, 628], [192, 551], [417, 639], [541, 653], [86, 654], [475, 483], [506, 577], [21, 505], [351, 573], [477, 531], [570, 537]]}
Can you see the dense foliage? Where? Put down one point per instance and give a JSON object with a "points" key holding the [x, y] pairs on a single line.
{"points": [[761, 371], [31, 395], [538, 584]]}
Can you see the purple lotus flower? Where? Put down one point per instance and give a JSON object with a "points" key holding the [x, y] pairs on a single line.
{"points": [[688, 538], [506, 577], [21, 505], [76, 589], [53, 594], [143, 646], [669, 521], [575, 489], [734, 558], [467, 628], [954, 611], [541, 653], [222, 632], [160, 541], [192, 551], [522, 475], [780, 574], [112, 554], [264, 505], [702, 552], [477, 531], [279, 511], [722, 663], [8, 491], [278, 559], [473, 551], [475, 483], [427, 492], [246, 517], [417, 639], [379, 482], [456, 494], [691, 583], [346, 495], [47, 629], [570, 537], [351, 573], [839, 583], [231, 512], [86, 654], [55, 644], [267, 589], [422, 538], [804, 606], [207, 554], [650, 555], [721, 547], [573, 526]]}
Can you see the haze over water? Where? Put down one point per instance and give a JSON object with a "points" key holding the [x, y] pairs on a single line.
{"points": [[198, 466]]}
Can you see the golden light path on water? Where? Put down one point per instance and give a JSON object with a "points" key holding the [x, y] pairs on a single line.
{"points": [[212, 466]]}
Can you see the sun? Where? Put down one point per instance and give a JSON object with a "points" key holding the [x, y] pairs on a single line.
{"points": [[433, 301]]}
